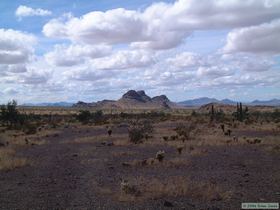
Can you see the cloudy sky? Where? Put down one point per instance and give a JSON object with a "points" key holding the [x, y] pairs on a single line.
{"points": [[70, 50]]}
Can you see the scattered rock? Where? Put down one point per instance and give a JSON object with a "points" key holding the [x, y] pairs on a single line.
{"points": [[126, 164], [110, 144], [168, 204], [213, 208]]}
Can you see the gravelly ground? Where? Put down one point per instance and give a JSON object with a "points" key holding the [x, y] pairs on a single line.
{"points": [[67, 175]]}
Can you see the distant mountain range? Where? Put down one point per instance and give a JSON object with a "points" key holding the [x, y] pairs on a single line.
{"points": [[57, 104], [139, 100], [204, 100], [132, 100]]}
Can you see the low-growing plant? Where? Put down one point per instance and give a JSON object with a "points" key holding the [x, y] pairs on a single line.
{"points": [[139, 130], [184, 130], [85, 117], [180, 149], [165, 138], [160, 155]]}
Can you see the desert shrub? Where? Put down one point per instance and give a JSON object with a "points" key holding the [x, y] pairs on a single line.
{"points": [[9, 115], [258, 116], [97, 117], [13, 119], [160, 155], [139, 130], [180, 149], [135, 135], [30, 128], [84, 116], [184, 130], [147, 127], [165, 138]]}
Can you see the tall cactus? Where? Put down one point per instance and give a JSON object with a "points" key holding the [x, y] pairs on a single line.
{"points": [[212, 112], [241, 114]]}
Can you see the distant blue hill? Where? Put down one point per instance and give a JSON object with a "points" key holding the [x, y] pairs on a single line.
{"points": [[193, 102], [205, 100], [56, 104]]}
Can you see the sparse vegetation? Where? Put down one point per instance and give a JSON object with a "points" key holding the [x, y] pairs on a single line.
{"points": [[184, 130], [138, 130], [174, 143], [9, 161], [85, 117]]}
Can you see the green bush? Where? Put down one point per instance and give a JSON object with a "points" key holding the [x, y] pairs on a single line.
{"points": [[86, 117], [10, 116]]}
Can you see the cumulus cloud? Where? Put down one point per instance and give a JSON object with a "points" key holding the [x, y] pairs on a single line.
{"points": [[75, 54], [186, 59], [214, 71], [35, 77], [15, 46], [262, 38], [162, 25], [86, 75], [24, 11], [10, 91], [124, 60]]}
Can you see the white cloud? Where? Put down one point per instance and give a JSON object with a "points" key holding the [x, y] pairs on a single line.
{"points": [[124, 60], [162, 25], [86, 75], [262, 38], [35, 77], [10, 91], [214, 71], [15, 46], [75, 54], [186, 59], [24, 11]]}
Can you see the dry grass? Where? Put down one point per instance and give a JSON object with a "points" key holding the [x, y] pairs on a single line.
{"points": [[153, 162], [8, 161], [93, 161], [120, 139], [274, 149], [154, 188], [15, 137], [123, 154]]}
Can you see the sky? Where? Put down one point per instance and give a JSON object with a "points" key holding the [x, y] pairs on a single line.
{"points": [[72, 50]]}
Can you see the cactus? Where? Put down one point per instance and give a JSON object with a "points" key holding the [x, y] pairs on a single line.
{"points": [[212, 113], [241, 114], [109, 132], [180, 149], [160, 155], [223, 127]]}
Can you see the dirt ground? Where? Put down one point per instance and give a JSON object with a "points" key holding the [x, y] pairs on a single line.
{"points": [[82, 167]]}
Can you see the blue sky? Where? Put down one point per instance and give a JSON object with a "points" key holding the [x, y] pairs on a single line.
{"points": [[90, 50]]}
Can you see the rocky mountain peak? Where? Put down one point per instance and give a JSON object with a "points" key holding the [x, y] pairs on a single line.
{"points": [[138, 96], [161, 98]]}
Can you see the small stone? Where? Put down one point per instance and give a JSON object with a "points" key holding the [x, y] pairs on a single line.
{"points": [[168, 204]]}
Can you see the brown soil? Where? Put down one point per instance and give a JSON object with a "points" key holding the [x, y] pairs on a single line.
{"points": [[86, 175]]}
